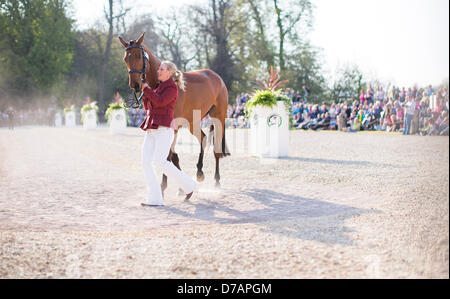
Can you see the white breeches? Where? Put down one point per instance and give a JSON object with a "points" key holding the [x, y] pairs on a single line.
{"points": [[155, 150]]}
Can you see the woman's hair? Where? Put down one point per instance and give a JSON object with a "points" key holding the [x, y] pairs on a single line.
{"points": [[177, 74]]}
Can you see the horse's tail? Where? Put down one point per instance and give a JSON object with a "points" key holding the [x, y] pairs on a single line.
{"points": [[219, 113], [225, 150]]}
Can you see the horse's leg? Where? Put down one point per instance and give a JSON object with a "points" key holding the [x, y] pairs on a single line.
{"points": [[201, 137], [217, 174], [200, 174], [176, 162], [164, 178], [218, 117], [220, 148]]}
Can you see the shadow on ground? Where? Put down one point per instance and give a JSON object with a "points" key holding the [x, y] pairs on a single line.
{"points": [[283, 214], [340, 162]]}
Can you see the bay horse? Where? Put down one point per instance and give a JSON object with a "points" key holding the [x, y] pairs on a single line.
{"points": [[205, 94]]}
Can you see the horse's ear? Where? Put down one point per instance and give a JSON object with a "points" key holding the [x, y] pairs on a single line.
{"points": [[140, 39], [124, 43]]}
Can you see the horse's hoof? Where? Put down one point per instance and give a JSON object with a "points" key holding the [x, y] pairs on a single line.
{"points": [[200, 177], [217, 184]]}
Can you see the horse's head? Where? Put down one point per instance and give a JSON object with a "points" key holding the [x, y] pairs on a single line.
{"points": [[136, 62]]}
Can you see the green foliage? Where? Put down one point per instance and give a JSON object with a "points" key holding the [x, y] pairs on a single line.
{"points": [[88, 107], [42, 54], [69, 109], [267, 98], [40, 44], [114, 106], [304, 68], [348, 84]]}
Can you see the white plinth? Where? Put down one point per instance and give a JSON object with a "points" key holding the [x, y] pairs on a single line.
{"points": [[117, 121], [58, 120], [269, 131], [70, 120], [90, 119]]}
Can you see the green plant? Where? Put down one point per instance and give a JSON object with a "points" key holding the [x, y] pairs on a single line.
{"points": [[88, 107], [115, 106], [270, 95], [69, 109], [266, 98]]}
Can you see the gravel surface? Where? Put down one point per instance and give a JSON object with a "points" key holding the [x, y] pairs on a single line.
{"points": [[343, 205]]}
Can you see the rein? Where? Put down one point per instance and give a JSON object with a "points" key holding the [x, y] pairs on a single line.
{"points": [[134, 101]]}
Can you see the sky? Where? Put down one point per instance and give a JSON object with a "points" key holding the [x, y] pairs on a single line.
{"points": [[405, 42]]}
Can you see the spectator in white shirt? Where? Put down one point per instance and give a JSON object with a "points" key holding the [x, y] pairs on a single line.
{"points": [[410, 109]]}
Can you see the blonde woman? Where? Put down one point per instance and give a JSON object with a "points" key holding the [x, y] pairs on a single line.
{"points": [[159, 105]]}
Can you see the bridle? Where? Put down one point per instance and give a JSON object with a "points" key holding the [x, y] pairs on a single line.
{"points": [[134, 101]]}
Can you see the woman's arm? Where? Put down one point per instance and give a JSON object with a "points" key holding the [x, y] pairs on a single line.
{"points": [[162, 99]]}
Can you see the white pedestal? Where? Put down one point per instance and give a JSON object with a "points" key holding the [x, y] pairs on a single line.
{"points": [[117, 121], [269, 131], [70, 120], [90, 119], [58, 120]]}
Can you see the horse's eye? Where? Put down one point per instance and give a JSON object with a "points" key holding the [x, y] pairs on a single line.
{"points": [[139, 56]]}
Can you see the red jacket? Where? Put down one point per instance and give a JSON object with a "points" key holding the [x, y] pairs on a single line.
{"points": [[159, 105]]}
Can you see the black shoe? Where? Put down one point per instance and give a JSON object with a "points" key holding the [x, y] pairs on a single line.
{"points": [[188, 196]]}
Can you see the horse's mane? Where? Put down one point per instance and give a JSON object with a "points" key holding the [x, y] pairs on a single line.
{"points": [[150, 55], [154, 65]]}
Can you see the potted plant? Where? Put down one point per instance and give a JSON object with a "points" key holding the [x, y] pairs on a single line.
{"points": [[269, 113], [89, 114], [69, 116], [116, 115], [269, 94]]}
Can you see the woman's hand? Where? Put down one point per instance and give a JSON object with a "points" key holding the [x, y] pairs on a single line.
{"points": [[144, 86]]}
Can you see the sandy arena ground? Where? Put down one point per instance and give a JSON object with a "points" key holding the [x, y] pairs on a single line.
{"points": [[343, 205]]}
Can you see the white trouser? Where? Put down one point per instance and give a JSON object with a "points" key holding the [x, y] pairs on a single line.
{"points": [[155, 150]]}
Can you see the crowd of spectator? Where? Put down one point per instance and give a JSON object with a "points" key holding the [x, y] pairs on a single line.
{"points": [[421, 111], [414, 110]]}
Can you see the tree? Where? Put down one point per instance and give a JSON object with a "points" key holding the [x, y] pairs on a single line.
{"points": [[174, 40], [304, 69], [289, 15], [217, 22], [263, 46], [144, 23], [348, 83], [105, 49], [37, 45]]}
